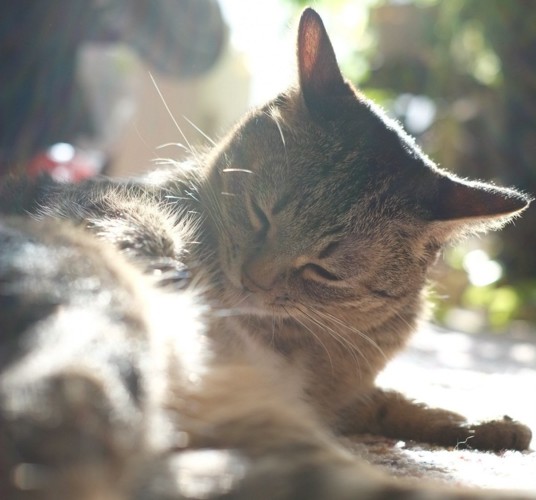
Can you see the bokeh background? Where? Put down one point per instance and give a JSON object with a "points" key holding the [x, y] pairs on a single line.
{"points": [[461, 77], [85, 89]]}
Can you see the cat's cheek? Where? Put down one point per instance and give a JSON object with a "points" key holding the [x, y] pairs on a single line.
{"points": [[227, 256], [231, 272]]}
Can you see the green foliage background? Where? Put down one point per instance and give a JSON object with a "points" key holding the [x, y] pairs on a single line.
{"points": [[473, 64]]}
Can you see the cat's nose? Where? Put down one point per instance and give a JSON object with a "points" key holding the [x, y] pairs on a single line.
{"points": [[255, 284], [260, 275], [251, 285]]}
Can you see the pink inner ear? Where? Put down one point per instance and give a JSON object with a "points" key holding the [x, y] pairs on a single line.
{"points": [[308, 45], [319, 71]]}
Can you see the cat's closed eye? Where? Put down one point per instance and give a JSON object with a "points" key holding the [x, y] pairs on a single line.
{"points": [[316, 272], [329, 249], [258, 219]]}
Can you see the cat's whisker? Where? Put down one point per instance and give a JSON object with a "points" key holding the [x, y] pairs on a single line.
{"points": [[168, 144], [273, 116], [352, 329], [316, 337], [190, 148], [223, 313], [175, 198], [338, 337], [245, 296], [199, 130], [244, 170], [354, 349], [164, 162], [404, 320], [214, 208]]}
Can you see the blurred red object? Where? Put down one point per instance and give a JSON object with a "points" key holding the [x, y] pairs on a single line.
{"points": [[65, 163]]}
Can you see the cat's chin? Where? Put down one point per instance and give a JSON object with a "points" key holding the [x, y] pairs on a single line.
{"points": [[241, 302], [253, 305], [260, 310]]}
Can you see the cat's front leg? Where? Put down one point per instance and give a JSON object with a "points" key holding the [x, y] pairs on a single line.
{"points": [[390, 414], [72, 385]]}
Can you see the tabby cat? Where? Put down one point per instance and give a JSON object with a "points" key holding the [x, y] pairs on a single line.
{"points": [[206, 331]]}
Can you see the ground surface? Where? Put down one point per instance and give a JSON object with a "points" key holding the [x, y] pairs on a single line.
{"points": [[480, 376]]}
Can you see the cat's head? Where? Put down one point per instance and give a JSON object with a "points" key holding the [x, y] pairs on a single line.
{"points": [[319, 200]]}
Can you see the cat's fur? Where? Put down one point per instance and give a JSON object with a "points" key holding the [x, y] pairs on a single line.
{"points": [[201, 332]]}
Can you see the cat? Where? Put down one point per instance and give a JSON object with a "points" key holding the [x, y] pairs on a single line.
{"points": [[207, 330]]}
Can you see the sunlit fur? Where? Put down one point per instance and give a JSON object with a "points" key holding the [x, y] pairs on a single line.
{"points": [[202, 332]]}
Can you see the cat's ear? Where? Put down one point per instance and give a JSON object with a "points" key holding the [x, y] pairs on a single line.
{"points": [[320, 77], [470, 204]]}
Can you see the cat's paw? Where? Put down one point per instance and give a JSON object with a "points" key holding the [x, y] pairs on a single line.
{"points": [[63, 436], [62, 418], [495, 435]]}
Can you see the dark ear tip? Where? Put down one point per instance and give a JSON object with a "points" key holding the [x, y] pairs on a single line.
{"points": [[522, 200], [514, 200], [308, 13], [309, 16], [458, 199]]}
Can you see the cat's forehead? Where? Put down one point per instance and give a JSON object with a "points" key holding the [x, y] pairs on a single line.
{"points": [[281, 142], [358, 127], [328, 169]]}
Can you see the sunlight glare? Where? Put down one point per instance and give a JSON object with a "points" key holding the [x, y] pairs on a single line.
{"points": [[481, 270]]}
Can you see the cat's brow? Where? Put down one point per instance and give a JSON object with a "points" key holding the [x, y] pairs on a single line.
{"points": [[282, 203], [336, 229], [330, 248]]}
